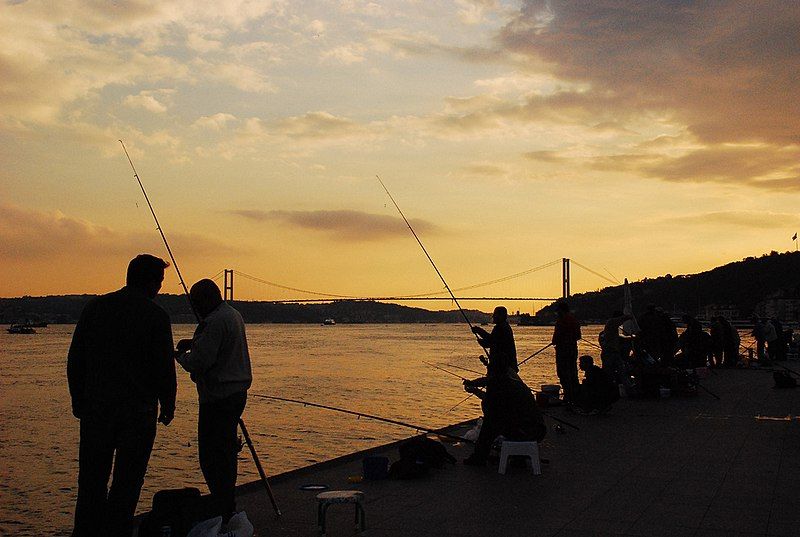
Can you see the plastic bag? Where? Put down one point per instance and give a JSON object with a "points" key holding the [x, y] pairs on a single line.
{"points": [[238, 526], [473, 433], [207, 528]]}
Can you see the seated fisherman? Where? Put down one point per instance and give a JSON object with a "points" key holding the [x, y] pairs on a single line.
{"points": [[597, 391], [509, 409]]}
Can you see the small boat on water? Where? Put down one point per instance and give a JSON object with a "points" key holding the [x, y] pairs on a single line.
{"points": [[328, 322], [21, 329]]}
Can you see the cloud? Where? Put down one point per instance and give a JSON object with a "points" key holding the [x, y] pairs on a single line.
{"points": [[472, 12], [215, 122], [748, 219], [317, 125], [762, 166], [346, 54], [727, 70], [30, 235], [148, 100], [57, 55], [345, 225]]}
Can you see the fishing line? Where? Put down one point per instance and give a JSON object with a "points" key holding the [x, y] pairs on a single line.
{"points": [[364, 415], [257, 462], [426, 253], [445, 370]]}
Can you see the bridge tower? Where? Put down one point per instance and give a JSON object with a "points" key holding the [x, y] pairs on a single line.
{"points": [[564, 277], [228, 289]]}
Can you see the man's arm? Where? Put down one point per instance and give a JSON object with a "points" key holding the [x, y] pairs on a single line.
{"points": [[76, 363], [165, 369], [484, 337], [205, 348]]}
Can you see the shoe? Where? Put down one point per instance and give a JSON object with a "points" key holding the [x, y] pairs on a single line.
{"points": [[472, 460]]}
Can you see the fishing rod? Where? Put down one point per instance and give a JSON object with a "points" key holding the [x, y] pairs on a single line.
{"points": [[591, 343], [197, 317], [464, 369], [559, 420], [161, 231], [534, 354], [426, 254], [363, 415], [445, 370]]}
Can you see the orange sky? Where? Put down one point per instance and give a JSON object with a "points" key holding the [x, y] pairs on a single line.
{"points": [[638, 138]]}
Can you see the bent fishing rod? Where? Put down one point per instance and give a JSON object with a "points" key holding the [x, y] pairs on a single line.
{"points": [[427, 255], [363, 415], [246, 435]]}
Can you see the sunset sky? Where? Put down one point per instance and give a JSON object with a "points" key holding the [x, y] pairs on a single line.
{"points": [[636, 137]]}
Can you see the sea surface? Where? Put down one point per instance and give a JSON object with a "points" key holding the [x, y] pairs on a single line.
{"points": [[376, 369]]}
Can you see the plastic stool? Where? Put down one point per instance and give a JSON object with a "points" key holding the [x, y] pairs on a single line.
{"points": [[326, 499], [529, 449]]}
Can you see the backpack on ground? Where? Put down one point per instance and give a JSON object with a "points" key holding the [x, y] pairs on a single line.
{"points": [[176, 509]]}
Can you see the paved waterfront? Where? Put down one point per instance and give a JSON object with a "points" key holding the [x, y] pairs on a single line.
{"points": [[683, 466]]}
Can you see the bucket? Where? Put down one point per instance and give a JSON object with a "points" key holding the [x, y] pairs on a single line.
{"points": [[551, 389]]}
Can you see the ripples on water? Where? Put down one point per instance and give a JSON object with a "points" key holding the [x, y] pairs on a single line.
{"points": [[375, 369]]}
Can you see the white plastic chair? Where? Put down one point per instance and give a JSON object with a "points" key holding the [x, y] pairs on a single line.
{"points": [[528, 449]]}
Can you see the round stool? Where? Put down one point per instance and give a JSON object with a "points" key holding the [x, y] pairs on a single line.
{"points": [[326, 499]]}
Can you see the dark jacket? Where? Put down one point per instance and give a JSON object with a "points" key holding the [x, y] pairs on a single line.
{"points": [[567, 331], [120, 358], [502, 349]]}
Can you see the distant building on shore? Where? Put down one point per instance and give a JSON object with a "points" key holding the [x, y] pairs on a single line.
{"points": [[785, 309], [729, 311]]}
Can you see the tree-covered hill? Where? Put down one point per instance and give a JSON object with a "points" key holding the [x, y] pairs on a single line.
{"points": [[743, 285]]}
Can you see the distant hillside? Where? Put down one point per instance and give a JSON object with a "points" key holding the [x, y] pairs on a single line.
{"points": [[67, 309], [745, 287]]}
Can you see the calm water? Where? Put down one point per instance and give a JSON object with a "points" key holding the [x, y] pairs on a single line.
{"points": [[377, 369]]}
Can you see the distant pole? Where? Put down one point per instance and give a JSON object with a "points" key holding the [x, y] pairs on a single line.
{"points": [[565, 277], [228, 293]]}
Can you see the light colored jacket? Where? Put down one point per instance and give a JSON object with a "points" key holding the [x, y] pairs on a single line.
{"points": [[219, 360]]}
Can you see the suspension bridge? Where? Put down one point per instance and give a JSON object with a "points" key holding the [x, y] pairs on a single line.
{"points": [[308, 296]]}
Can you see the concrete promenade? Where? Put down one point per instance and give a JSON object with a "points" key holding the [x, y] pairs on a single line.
{"points": [[682, 466]]}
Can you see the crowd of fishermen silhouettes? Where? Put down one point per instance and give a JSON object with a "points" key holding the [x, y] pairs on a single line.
{"points": [[646, 363]]}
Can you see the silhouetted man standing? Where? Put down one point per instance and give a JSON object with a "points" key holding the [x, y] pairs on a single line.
{"points": [[566, 334], [219, 362], [500, 343], [120, 370]]}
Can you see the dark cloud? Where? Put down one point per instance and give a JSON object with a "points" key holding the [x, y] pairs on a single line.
{"points": [[761, 166], [726, 69], [343, 224], [769, 167], [35, 235], [748, 219]]}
